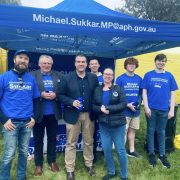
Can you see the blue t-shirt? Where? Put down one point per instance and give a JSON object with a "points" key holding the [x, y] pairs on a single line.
{"points": [[106, 97], [132, 89], [16, 97], [48, 86], [159, 87]]}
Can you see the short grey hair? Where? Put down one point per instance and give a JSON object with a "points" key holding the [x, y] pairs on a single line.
{"points": [[45, 56]]}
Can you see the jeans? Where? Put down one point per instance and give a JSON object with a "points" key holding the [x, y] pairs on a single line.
{"points": [[50, 123], [18, 137], [114, 135], [157, 121]]}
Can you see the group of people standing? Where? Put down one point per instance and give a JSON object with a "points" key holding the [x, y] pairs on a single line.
{"points": [[33, 101]]}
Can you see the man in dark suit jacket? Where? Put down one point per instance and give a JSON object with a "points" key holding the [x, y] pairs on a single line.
{"points": [[49, 113], [75, 92]]}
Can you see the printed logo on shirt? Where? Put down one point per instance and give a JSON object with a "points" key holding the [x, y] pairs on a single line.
{"points": [[18, 86], [133, 94], [48, 83], [131, 86], [158, 82], [115, 93]]}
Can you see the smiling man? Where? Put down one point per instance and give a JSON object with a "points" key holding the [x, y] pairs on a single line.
{"points": [[49, 113], [18, 93], [159, 88], [94, 67], [76, 91]]}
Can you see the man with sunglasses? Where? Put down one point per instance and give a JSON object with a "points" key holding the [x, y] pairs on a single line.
{"points": [[18, 93]]}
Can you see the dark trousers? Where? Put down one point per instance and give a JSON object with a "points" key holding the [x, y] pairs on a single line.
{"points": [[96, 128], [50, 123]]}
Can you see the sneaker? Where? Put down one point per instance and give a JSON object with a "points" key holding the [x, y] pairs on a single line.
{"points": [[133, 154], [164, 161], [152, 160]]}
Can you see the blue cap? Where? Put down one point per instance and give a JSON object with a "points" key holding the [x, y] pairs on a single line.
{"points": [[22, 51]]}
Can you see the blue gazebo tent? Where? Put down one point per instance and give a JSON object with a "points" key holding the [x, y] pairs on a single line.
{"points": [[83, 26]]}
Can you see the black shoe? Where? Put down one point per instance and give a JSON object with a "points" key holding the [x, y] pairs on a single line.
{"points": [[164, 161], [91, 171], [152, 160], [134, 154], [108, 176], [70, 176]]}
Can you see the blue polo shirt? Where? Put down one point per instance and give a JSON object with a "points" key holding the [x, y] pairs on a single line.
{"points": [[132, 89], [159, 87], [16, 97]]}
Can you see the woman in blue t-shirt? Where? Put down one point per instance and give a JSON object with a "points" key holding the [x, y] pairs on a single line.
{"points": [[109, 104]]}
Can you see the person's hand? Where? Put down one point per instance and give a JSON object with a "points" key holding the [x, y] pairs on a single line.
{"points": [[77, 104], [45, 95], [131, 106], [104, 110], [170, 114], [31, 123], [52, 95], [9, 125], [48, 95], [147, 112]]}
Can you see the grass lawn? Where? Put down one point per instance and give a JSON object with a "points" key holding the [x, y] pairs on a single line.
{"points": [[139, 169]]}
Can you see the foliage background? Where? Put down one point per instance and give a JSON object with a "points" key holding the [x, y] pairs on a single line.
{"points": [[163, 10]]}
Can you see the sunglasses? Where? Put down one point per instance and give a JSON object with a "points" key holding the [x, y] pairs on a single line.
{"points": [[20, 79]]}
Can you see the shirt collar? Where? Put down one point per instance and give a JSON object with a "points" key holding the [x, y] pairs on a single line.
{"points": [[99, 74], [81, 77], [46, 74], [162, 72]]}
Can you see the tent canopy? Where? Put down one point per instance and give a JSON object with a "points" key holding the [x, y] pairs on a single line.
{"points": [[78, 26]]}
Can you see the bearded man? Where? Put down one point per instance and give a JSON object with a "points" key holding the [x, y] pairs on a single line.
{"points": [[18, 95]]}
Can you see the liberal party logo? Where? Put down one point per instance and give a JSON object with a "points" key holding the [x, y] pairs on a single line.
{"points": [[115, 93]]}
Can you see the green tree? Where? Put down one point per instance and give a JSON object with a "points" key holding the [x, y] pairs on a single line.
{"points": [[16, 2], [164, 10]]}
